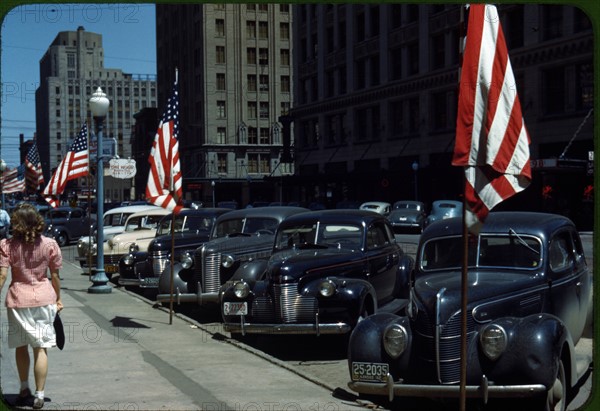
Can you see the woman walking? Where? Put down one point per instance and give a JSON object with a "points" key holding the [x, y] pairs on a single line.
{"points": [[32, 301]]}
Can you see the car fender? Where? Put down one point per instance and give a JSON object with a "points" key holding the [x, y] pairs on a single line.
{"points": [[179, 282], [366, 342], [404, 277], [534, 346], [350, 292], [250, 271]]}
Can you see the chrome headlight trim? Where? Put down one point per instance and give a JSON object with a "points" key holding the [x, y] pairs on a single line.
{"points": [[493, 340], [187, 260], [241, 289], [128, 259], [134, 248], [227, 260], [327, 288], [395, 340]]}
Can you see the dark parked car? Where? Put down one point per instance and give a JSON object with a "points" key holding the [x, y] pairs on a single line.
{"points": [[443, 209], [528, 298], [66, 224], [191, 229], [407, 216], [329, 270], [237, 237]]}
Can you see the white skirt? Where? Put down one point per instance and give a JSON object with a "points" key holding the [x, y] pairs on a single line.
{"points": [[32, 326]]}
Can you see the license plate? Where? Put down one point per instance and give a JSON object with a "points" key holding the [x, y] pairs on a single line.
{"points": [[150, 281], [368, 371], [111, 269], [235, 308]]}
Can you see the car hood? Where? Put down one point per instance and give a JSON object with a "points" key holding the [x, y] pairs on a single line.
{"points": [[295, 263], [181, 240], [240, 244], [482, 286]]}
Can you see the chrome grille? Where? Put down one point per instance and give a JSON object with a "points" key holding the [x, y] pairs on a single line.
{"points": [[211, 280], [448, 344], [112, 258], [262, 309], [159, 262], [291, 307]]}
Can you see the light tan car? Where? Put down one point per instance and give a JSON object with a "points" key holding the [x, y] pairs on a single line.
{"points": [[140, 229]]}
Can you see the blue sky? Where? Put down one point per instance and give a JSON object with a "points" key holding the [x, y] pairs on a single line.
{"points": [[129, 41]]}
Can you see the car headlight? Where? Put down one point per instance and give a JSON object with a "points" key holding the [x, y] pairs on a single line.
{"points": [[94, 249], [395, 340], [241, 289], [134, 248], [228, 260], [327, 288], [187, 261], [493, 340], [128, 259]]}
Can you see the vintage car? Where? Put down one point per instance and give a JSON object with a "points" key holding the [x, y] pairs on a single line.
{"points": [[528, 292], [66, 224], [237, 237], [114, 223], [377, 207], [329, 270], [140, 229], [407, 216], [191, 229], [443, 209]]}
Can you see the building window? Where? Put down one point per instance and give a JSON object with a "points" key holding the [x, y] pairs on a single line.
{"points": [[263, 30], [252, 135], [584, 81], [374, 12], [413, 58], [250, 6], [284, 8], [253, 163], [264, 165], [220, 28], [251, 55], [221, 135], [374, 62], [360, 27], [438, 51], [514, 28], [70, 60], [361, 73], [263, 7], [222, 163], [251, 29], [284, 31], [581, 22], [263, 82], [554, 86], [396, 118], [342, 35], [251, 82], [264, 110], [395, 62], [284, 57], [263, 56], [552, 19], [285, 84], [221, 113], [265, 135], [220, 56], [285, 107], [252, 110], [413, 115], [221, 82]]}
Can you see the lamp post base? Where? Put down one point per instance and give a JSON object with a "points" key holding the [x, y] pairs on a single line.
{"points": [[100, 283]]}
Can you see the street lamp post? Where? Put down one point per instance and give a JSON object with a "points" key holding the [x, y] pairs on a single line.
{"points": [[415, 167], [99, 107], [212, 183]]}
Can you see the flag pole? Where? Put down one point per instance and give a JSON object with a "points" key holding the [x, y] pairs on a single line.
{"points": [[172, 273]]}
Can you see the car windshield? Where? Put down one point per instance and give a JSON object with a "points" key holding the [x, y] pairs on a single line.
{"points": [[147, 222], [184, 224], [506, 251], [248, 226], [115, 219], [318, 234], [58, 214]]}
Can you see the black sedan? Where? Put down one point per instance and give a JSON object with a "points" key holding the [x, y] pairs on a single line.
{"points": [[329, 270], [407, 216], [528, 297]]}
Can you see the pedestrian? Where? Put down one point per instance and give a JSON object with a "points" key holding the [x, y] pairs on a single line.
{"points": [[32, 301], [4, 222]]}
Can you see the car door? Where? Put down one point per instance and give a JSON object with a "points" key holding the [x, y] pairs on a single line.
{"points": [[382, 258]]}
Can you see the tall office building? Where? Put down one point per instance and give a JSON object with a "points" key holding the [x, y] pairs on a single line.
{"points": [[376, 97], [70, 72], [234, 65]]}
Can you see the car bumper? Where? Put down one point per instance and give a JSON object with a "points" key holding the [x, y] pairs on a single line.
{"points": [[312, 329], [200, 298], [484, 390], [150, 282]]}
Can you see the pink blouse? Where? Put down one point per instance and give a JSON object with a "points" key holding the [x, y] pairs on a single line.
{"points": [[29, 264]]}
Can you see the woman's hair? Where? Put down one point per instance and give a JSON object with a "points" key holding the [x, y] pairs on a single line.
{"points": [[27, 223]]}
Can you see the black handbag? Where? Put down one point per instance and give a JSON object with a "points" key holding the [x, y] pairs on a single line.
{"points": [[59, 331]]}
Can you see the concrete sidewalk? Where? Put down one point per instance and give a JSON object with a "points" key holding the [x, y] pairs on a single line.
{"points": [[122, 354]]}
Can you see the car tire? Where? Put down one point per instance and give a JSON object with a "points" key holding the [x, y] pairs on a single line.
{"points": [[62, 239], [556, 398]]}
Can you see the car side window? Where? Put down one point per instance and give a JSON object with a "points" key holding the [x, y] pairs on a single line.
{"points": [[560, 253], [376, 237]]}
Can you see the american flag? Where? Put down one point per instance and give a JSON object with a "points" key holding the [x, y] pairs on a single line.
{"points": [[492, 143], [74, 165], [164, 186], [34, 174], [13, 181]]}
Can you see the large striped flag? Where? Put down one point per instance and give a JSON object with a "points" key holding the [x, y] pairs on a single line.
{"points": [[164, 186], [492, 143], [74, 165], [34, 175], [13, 181]]}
